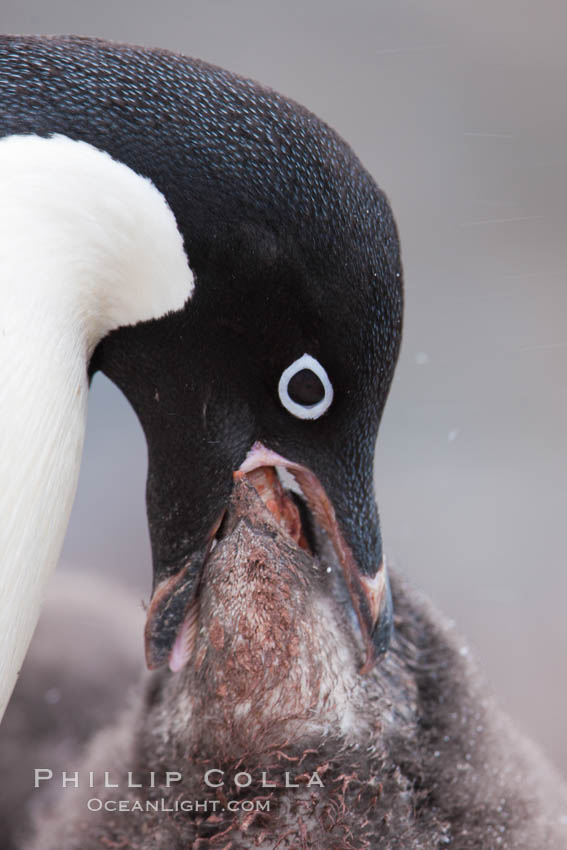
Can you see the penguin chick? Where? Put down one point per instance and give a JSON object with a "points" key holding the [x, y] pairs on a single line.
{"points": [[272, 730]]}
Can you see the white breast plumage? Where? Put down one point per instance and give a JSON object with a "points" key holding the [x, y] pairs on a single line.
{"points": [[86, 246]]}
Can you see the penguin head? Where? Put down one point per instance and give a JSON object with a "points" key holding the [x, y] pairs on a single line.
{"points": [[282, 357], [284, 354]]}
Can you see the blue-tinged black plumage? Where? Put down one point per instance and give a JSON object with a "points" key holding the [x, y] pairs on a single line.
{"points": [[294, 250]]}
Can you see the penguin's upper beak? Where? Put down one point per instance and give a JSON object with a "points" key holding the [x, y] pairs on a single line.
{"points": [[170, 613]]}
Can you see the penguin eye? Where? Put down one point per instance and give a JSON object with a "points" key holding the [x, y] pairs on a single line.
{"points": [[305, 389]]}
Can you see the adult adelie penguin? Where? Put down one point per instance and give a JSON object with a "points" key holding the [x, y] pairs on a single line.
{"points": [[283, 354]]}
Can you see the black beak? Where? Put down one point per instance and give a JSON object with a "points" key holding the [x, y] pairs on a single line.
{"points": [[367, 582]]}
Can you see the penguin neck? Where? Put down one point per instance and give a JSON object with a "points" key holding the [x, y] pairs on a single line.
{"points": [[87, 246]]}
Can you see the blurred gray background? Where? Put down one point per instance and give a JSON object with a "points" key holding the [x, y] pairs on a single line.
{"points": [[458, 110]]}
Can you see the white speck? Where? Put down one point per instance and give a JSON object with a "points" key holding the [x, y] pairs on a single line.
{"points": [[288, 481], [446, 738], [421, 358], [436, 754], [329, 569], [52, 696], [452, 435], [464, 651]]}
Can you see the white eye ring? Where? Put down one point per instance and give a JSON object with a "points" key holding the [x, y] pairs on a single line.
{"points": [[305, 411]]}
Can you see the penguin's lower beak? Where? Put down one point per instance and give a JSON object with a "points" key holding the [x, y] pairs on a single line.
{"points": [[170, 615]]}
